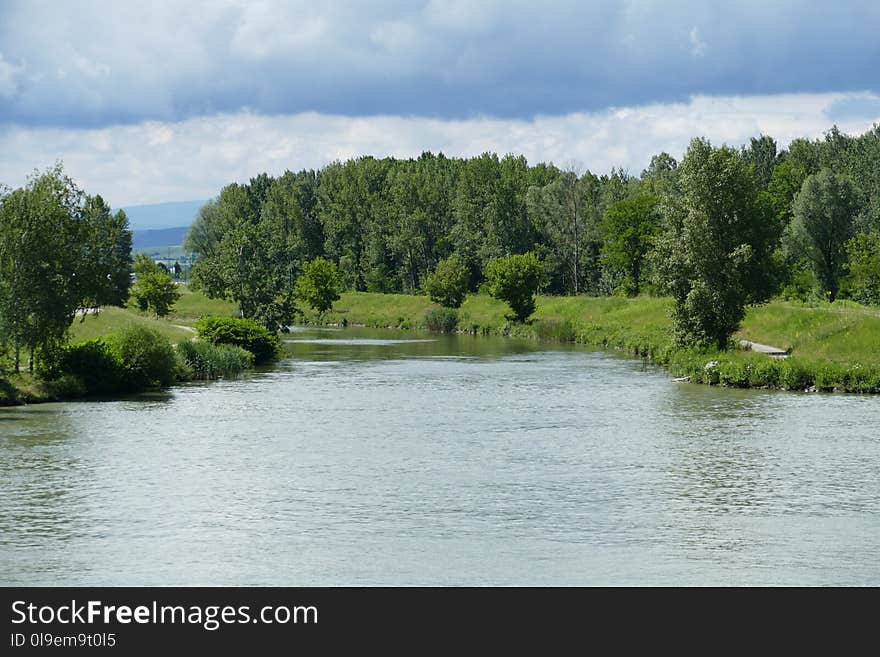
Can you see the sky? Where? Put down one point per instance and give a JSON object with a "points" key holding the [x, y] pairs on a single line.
{"points": [[169, 101]]}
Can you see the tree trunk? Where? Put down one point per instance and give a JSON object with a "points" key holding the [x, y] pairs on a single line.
{"points": [[31, 359]]}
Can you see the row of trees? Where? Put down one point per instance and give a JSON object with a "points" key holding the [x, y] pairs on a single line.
{"points": [[61, 251], [724, 228]]}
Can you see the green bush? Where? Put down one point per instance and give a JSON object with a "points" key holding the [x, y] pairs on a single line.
{"points": [[209, 361], [448, 283], [319, 284], [515, 280], [794, 375], [244, 333], [734, 374], [442, 320], [66, 386], [94, 364], [147, 357], [8, 393]]}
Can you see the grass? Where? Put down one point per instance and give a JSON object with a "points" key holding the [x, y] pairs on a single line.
{"points": [[112, 320], [841, 333], [194, 305], [833, 346]]}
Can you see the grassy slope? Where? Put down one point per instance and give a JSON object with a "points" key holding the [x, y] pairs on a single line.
{"points": [[188, 309]]}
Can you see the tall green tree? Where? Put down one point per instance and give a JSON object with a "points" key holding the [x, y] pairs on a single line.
{"points": [[41, 262], [629, 227], [824, 218], [715, 254]]}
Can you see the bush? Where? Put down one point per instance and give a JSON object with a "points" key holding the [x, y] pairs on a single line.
{"points": [[209, 361], [147, 358], [795, 376], [515, 280], [96, 364], [448, 283], [244, 333], [442, 320], [319, 285]]}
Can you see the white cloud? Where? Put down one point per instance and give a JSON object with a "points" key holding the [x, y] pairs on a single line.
{"points": [[153, 161]]}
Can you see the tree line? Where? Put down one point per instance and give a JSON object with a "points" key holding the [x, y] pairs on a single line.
{"points": [[62, 251], [723, 228]]}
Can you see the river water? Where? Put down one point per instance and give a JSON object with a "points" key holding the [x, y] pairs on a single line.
{"points": [[371, 457]]}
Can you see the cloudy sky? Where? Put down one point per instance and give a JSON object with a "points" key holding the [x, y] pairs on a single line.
{"points": [[165, 101]]}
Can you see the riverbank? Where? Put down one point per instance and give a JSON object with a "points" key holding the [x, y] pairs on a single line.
{"points": [[26, 388], [832, 347]]}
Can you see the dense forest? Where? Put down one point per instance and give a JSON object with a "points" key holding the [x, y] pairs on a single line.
{"points": [[723, 228]]}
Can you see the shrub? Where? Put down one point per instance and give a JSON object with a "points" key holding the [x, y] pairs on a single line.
{"points": [[448, 283], [442, 320], [319, 285], [209, 361], [147, 358], [244, 333], [794, 376], [515, 280], [96, 364], [66, 386]]}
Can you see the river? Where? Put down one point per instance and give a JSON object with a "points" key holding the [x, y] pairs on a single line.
{"points": [[370, 457]]}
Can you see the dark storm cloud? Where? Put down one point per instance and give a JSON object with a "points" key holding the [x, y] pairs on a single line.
{"points": [[89, 64]]}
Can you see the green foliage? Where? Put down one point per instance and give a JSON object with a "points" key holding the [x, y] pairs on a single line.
{"points": [[155, 291], [630, 226], [515, 280], [147, 358], [207, 361], [244, 333], [824, 215], [716, 254], [319, 284], [448, 283], [95, 363], [863, 251], [441, 320]]}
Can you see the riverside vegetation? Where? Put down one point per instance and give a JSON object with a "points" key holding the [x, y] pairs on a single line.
{"points": [[679, 262]]}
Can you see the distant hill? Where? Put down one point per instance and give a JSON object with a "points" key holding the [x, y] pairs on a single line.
{"points": [[163, 215], [143, 239]]}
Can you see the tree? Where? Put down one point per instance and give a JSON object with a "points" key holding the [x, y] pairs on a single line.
{"points": [[448, 283], [154, 289], [824, 214], [863, 251], [105, 268], [715, 253], [42, 274], [515, 280], [761, 155], [629, 227], [319, 285]]}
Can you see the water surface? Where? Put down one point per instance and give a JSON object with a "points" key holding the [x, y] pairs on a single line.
{"points": [[371, 457]]}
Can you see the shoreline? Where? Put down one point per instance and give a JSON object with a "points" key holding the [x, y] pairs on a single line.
{"points": [[641, 328]]}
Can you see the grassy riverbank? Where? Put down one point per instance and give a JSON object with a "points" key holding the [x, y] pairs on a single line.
{"points": [[177, 327], [832, 346]]}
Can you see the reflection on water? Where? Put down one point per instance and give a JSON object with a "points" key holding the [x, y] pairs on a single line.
{"points": [[366, 457]]}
